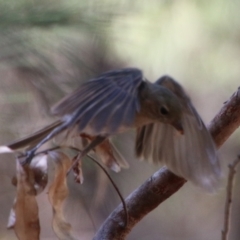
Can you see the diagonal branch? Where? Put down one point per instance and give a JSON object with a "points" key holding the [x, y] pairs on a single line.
{"points": [[229, 197], [162, 184], [227, 120]]}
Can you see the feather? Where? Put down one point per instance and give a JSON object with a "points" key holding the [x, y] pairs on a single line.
{"points": [[191, 155]]}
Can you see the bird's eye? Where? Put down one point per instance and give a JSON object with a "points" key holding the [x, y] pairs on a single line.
{"points": [[164, 111]]}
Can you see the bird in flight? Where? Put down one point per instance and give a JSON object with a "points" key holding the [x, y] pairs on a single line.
{"points": [[169, 129]]}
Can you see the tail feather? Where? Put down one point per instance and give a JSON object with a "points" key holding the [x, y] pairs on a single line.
{"points": [[35, 138], [106, 151]]}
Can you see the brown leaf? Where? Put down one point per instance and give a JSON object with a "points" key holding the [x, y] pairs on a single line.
{"points": [[12, 217], [38, 166], [105, 151], [77, 170], [26, 224], [58, 191]]}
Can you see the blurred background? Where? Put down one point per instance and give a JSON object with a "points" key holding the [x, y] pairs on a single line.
{"points": [[48, 47]]}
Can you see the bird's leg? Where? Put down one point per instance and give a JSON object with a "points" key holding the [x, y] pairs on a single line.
{"points": [[89, 147], [30, 153]]}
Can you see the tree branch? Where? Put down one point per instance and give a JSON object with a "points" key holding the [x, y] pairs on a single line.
{"points": [[162, 184], [227, 120], [228, 202]]}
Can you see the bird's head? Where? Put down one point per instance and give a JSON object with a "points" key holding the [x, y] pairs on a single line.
{"points": [[161, 105]]}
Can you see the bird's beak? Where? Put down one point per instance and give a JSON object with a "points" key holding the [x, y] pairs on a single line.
{"points": [[178, 126]]}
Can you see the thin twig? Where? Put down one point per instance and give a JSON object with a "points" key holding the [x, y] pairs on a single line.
{"points": [[116, 188], [229, 190]]}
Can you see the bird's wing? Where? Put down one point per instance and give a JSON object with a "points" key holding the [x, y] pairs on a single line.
{"points": [[192, 155], [105, 103]]}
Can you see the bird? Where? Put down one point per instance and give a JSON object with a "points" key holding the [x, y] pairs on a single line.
{"points": [[169, 129]]}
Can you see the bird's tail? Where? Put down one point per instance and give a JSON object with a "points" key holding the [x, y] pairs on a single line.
{"points": [[33, 139], [106, 151]]}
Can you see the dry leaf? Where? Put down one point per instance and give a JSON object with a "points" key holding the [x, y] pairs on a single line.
{"points": [[30, 181], [12, 217], [77, 170], [39, 167], [26, 225], [58, 191], [105, 151]]}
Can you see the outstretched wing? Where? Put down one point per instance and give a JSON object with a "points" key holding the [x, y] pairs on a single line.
{"points": [[192, 155], [105, 103]]}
